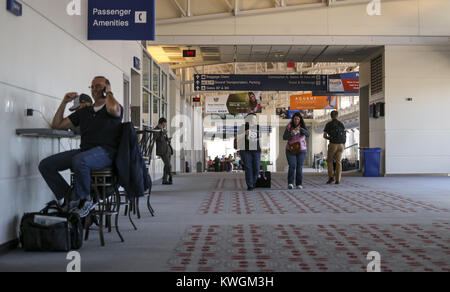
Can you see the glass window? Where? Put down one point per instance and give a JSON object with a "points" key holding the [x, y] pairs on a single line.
{"points": [[164, 86], [145, 108], [156, 71], [155, 111], [163, 110], [146, 64]]}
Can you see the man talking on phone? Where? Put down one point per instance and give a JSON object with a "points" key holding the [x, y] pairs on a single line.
{"points": [[99, 127]]}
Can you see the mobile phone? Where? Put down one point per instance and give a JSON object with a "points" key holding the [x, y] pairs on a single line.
{"points": [[104, 92]]}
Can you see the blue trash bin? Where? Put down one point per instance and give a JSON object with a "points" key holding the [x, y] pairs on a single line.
{"points": [[372, 162]]}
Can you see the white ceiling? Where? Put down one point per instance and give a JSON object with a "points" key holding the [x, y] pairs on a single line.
{"points": [[269, 53]]}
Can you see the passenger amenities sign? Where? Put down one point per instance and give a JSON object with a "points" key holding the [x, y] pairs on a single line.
{"points": [[121, 20]]}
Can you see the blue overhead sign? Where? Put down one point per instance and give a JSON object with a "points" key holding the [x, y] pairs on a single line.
{"points": [[121, 20], [14, 7], [222, 82], [137, 63]]}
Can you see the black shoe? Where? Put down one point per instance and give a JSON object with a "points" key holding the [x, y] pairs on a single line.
{"points": [[337, 182], [166, 183], [330, 180], [250, 189]]}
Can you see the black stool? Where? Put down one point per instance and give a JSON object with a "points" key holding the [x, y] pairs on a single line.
{"points": [[107, 204]]}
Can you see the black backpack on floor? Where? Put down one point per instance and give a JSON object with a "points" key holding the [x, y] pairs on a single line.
{"points": [[65, 235]]}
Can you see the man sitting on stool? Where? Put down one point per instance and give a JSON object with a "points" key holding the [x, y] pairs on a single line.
{"points": [[100, 135]]}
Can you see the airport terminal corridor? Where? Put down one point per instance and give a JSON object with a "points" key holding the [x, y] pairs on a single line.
{"points": [[209, 222], [218, 108]]}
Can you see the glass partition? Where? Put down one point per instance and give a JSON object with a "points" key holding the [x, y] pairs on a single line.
{"points": [[155, 111], [145, 108], [146, 70], [156, 72]]}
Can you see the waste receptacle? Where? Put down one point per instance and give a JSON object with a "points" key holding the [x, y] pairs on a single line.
{"points": [[199, 167], [372, 162]]}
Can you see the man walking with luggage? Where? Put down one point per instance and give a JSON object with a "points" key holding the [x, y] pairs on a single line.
{"points": [[335, 132]]}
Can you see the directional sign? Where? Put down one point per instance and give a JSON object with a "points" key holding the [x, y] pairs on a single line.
{"points": [[121, 20], [222, 82]]}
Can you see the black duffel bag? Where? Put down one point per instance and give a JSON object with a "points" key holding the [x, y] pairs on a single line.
{"points": [[65, 235]]}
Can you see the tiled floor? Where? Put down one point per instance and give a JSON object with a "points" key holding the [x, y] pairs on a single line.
{"points": [[209, 222]]}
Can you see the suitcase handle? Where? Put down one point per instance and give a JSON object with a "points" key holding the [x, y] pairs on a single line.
{"points": [[53, 205]]}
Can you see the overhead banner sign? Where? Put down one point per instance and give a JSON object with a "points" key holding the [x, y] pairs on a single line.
{"points": [[236, 103], [344, 83], [223, 82], [121, 20], [310, 102]]}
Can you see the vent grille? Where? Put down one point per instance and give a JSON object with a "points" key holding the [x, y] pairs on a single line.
{"points": [[171, 50], [211, 58], [176, 59], [376, 75], [210, 50]]}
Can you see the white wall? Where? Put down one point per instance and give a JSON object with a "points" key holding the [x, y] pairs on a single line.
{"points": [[377, 128], [417, 132], [43, 55], [323, 25]]}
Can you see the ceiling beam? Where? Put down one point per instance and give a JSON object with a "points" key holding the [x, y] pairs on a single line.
{"points": [[189, 8], [330, 2], [262, 11], [193, 64], [230, 7], [183, 12]]}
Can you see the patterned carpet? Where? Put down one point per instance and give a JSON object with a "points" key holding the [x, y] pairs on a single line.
{"points": [[211, 223]]}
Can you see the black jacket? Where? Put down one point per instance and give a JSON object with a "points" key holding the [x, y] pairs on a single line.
{"points": [[131, 168], [162, 143]]}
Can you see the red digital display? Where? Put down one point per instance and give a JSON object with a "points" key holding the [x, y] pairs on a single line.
{"points": [[189, 53], [291, 65], [196, 99]]}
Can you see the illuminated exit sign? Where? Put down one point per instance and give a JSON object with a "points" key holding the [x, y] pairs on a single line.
{"points": [[189, 53]]}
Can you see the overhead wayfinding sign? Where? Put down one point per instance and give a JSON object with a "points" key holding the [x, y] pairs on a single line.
{"points": [[223, 82], [121, 20]]}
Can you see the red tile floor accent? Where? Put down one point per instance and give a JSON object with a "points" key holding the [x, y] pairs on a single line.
{"points": [[403, 247]]}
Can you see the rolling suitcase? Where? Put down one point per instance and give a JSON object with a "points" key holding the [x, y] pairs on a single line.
{"points": [[264, 180]]}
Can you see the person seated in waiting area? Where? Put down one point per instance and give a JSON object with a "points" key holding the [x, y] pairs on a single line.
{"points": [[100, 134], [80, 102]]}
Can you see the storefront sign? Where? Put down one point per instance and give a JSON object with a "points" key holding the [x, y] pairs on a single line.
{"points": [[222, 82], [121, 20], [310, 102], [344, 83], [236, 103]]}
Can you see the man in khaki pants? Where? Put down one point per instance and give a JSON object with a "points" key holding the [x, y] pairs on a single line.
{"points": [[335, 132]]}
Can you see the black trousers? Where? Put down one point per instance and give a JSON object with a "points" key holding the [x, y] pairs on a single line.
{"points": [[167, 168]]}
